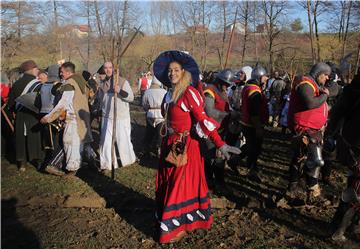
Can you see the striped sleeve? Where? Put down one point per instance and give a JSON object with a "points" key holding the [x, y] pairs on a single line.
{"points": [[205, 126]]}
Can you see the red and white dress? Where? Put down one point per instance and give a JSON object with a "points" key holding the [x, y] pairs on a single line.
{"points": [[182, 197]]}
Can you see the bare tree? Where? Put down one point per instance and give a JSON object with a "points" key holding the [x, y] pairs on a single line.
{"points": [[311, 33], [244, 17], [346, 7], [315, 15], [272, 15], [16, 22]]}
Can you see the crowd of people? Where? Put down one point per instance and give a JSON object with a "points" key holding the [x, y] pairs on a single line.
{"points": [[196, 124]]}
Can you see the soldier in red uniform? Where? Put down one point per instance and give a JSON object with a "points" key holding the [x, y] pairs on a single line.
{"points": [[182, 197], [217, 107], [307, 115], [254, 116]]}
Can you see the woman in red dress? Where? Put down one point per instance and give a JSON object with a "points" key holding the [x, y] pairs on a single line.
{"points": [[182, 198]]}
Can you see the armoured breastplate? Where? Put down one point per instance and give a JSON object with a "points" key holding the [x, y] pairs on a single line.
{"points": [[47, 99], [236, 98]]}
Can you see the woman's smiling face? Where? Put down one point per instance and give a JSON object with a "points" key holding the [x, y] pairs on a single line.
{"points": [[175, 72]]}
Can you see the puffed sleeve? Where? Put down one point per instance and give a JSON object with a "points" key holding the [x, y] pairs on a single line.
{"points": [[205, 126]]}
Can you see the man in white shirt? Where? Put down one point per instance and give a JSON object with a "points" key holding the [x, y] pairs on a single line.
{"points": [[151, 103]]}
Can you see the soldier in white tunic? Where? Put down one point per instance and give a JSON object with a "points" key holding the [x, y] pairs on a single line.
{"points": [[74, 102]]}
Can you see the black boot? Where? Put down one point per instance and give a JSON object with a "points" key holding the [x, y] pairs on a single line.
{"points": [[37, 164], [345, 223], [220, 185], [339, 214], [219, 172], [254, 174]]}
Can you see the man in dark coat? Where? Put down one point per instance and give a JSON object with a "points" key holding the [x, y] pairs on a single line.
{"points": [[345, 115], [254, 116], [217, 107], [276, 98], [27, 129]]}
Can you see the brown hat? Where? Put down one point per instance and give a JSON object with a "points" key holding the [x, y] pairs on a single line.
{"points": [[28, 65], [43, 71]]}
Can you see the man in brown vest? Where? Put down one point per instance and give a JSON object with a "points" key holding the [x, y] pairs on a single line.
{"points": [[77, 128]]}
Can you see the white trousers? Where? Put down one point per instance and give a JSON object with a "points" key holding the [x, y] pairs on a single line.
{"points": [[73, 146], [123, 141]]}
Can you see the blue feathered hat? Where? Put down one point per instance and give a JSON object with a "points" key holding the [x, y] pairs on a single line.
{"points": [[162, 62]]}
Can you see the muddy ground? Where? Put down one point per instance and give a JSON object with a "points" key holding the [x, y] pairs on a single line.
{"points": [[90, 210]]}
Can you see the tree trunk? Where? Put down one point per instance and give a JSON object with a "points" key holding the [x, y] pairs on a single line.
{"points": [[255, 44], [18, 25], [56, 16], [246, 16], [121, 36], [100, 29], [311, 31], [346, 30], [205, 50], [316, 31], [88, 38], [342, 19], [271, 38], [224, 35]]}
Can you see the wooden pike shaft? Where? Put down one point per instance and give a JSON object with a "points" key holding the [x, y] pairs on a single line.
{"points": [[231, 39], [7, 118], [131, 40], [113, 139]]}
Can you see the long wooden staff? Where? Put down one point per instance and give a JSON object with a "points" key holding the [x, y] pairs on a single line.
{"points": [[113, 139], [7, 118], [231, 39]]}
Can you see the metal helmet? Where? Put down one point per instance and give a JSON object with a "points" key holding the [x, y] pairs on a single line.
{"points": [[226, 75], [258, 72]]}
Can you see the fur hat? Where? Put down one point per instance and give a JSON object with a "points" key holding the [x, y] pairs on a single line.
{"points": [[28, 65], [101, 70]]}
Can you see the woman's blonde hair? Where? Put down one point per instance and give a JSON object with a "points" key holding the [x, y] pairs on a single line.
{"points": [[179, 88]]}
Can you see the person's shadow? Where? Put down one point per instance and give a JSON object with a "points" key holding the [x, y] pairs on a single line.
{"points": [[13, 233], [137, 209]]}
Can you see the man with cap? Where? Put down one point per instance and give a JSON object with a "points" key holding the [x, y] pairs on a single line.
{"points": [[254, 116], [151, 103], [308, 113], [46, 102], [27, 132], [217, 107], [108, 88]]}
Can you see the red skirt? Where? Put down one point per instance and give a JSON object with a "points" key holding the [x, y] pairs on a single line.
{"points": [[182, 198]]}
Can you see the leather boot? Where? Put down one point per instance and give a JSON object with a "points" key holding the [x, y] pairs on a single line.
{"points": [[345, 223]]}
